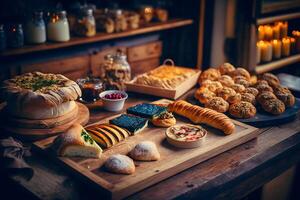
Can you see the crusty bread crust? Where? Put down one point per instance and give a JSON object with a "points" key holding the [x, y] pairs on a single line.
{"points": [[20, 97]]}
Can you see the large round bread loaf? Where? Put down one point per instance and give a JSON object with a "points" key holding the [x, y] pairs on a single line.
{"points": [[38, 90]]}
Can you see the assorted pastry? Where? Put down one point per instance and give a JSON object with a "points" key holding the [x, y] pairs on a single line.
{"points": [[227, 89], [165, 76]]}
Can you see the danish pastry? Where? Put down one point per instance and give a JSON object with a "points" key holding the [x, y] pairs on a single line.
{"points": [[274, 106], [238, 88], [199, 115], [243, 82], [226, 68], [242, 109], [225, 92], [209, 74], [217, 104], [264, 88], [285, 95], [226, 80], [265, 96], [164, 120]]}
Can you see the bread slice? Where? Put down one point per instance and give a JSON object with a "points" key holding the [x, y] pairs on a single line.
{"points": [[110, 136], [76, 142], [100, 138], [124, 132], [119, 137]]}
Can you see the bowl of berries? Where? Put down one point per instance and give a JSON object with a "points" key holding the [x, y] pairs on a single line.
{"points": [[113, 100]]}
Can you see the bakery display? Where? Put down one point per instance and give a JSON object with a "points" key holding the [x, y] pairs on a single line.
{"points": [[146, 110], [201, 115], [145, 151], [242, 109], [236, 86], [131, 123], [186, 136], [76, 142], [166, 119], [39, 96], [120, 164], [165, 76]]}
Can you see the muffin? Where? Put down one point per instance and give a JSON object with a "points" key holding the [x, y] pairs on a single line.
{"points": [[242, 110], [226, 68], [217, 104], [225, 92]]}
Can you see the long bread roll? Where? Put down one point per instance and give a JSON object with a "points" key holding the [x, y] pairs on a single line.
{"points": [[199, 115]]}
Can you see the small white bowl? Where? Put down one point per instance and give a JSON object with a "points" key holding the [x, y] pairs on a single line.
{"points": [[113, 105]]}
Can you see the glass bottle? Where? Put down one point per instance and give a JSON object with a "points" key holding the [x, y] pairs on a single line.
{"points": [[116, 72], [35, 30], [86, 25], [58, 27], [15, 36], [2, 38]]}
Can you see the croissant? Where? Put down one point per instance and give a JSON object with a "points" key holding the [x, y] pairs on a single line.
{"points": [[207, 116]]}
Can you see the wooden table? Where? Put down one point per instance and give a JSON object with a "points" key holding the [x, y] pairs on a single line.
{"points": [[230, 175]]}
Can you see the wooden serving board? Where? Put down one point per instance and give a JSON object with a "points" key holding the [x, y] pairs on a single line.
{"points": [[82, 117], [162, 92], [173, 160]]}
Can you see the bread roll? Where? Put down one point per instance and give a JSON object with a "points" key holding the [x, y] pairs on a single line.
{"points": [[145, 151], [120, 164], [199, 115]]}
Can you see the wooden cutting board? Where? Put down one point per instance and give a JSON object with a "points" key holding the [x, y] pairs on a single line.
{"points": [[82, 117], [173, 160]]}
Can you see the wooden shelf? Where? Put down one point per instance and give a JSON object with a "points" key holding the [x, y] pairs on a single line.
{"points": [[268, 20], [272, 19], [151, 27], [277, 64], [279, 6]]}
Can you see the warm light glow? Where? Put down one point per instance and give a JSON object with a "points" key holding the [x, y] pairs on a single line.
{"points": [[296, 33]]}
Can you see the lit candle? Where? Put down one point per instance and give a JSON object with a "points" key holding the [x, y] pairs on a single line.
{"points": [[293, 45], [260, 33], [268, 32], [283, 28], [286, 47], [296, 35], [276, 32], [276, 46], [258, 53], [266, 51]]}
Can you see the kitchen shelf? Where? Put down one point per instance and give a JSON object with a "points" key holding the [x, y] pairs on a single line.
{"points": [[151, 27], [279, 6], [277, 64], [267, 20]]}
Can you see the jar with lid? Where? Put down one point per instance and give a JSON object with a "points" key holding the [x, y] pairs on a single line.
{"points": [[91, 87], [15, 36], [2, 38], [35, 29], [116, 71], [85, 25], [58, 27]]}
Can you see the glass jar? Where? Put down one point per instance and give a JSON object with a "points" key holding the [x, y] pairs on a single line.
{"points": [[85, 25], [146, 13], [15, 36], [35, 30], [58, 27], [116, 71], [90, 88], [2, 38]]}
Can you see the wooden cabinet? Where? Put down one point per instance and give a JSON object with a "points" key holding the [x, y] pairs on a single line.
{"points": [[73, 67], [145, 51], [144, 66]]}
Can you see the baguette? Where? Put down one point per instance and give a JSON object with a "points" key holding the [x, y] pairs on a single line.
{"points": [[199, 115]]}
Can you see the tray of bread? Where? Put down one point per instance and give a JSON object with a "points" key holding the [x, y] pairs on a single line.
{"points": [[39, 104], [150, 142], [167, 81], [259, 101]]}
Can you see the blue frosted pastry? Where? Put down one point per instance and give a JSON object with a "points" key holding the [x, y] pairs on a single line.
{"points": [[147, 110], [133, 124]]}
